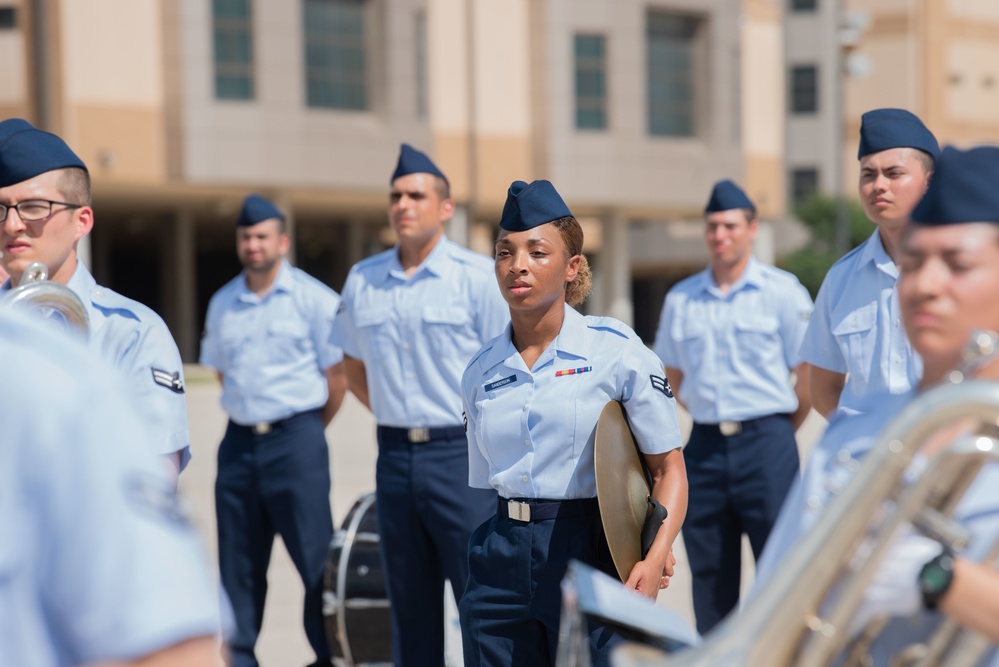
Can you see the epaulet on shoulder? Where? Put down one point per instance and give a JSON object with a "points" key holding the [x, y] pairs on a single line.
{"points": [[610, 325], [848, 257], [110, 302], [469, 257], [780, 274], [482, 352], [374, 260]]}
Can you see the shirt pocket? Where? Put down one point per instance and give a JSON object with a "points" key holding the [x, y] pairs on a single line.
{"points": [[758, 338], [373, 332], [288, 341], [690, 336], [856, 336], [447, 329]]}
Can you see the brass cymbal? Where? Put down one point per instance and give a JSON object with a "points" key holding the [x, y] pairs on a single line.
{"points": [[622, 488]]}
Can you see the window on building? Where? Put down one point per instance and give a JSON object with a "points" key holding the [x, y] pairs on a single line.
{"points": [[804, 5], [591, 82], [804, 184], [233, 49], [422, 83], [671, 61], [336, 61], [804, 89], [8, 18]]}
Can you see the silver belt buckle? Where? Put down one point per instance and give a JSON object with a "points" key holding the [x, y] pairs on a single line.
{"points": [[418, 434], [518, 511], [261, 428], [730, 428]]}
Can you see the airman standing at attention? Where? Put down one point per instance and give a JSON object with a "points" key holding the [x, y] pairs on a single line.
{"points": [[728, 338]]}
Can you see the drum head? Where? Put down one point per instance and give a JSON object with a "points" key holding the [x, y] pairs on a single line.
{"points": [[621, 488]]}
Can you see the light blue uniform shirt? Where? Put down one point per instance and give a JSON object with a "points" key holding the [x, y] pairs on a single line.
{"points": [[850, 436], [96, 561], [735, 350], [531, 431], [857, 329], [138, 344], [415, 334], [272, 351]]}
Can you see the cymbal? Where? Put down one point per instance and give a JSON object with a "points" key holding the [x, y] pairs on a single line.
{"points": [[622, 488]]}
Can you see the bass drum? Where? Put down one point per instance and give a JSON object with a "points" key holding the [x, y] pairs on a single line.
{"points": [[355, 599]]}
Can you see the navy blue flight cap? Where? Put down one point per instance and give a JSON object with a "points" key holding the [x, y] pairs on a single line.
{"points": [[963, 188], [726, 195], [412, 161], [26, 152], [257, 209], [528, 206], [882, 129]]}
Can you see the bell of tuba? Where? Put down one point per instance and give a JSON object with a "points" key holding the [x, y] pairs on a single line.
{"points": [[801, 617], [38, 293]]}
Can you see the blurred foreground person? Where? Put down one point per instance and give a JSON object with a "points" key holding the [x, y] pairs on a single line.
{"points": [[44, 212], [948, 288], [97, 562]]}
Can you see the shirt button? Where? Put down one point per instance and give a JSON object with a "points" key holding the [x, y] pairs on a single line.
{"points": [[527, 442], [524, 478], [898, 359], [897, 321], [814, 501], [525, 408], [405, 346]]}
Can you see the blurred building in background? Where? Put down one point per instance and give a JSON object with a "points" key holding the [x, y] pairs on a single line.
{"points": [[181, 107]]}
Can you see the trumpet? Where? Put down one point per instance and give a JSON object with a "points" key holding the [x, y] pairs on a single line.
{"points": [[39, 293], [803, 614]]}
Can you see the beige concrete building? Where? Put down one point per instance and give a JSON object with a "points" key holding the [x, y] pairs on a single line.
{"points": [[181, 107], [936, 58]]}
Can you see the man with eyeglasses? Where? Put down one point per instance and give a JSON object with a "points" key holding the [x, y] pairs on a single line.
{"points": [[44, 212]]}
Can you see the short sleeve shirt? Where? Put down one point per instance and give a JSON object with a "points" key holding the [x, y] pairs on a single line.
{"points": [[137, 343], [415, 334], [857, 330], [531, 430], [735, 350], [273, 350]]}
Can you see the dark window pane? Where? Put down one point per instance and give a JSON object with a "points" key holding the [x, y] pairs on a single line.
{"points": [[233, 49], [8, 18], [804, 184], [335, 60], [804, 89], [591, 82], [804, 5], [670, 59]]}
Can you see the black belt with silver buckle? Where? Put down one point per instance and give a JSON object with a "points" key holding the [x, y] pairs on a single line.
{"points": [[263, 428], [419, 435], [729, 428], [526, 510]]}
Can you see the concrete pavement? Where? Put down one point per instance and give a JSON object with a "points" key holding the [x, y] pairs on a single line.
{"points": [[352, 467]]}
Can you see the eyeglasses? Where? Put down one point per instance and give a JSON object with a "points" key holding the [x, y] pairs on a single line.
{"points": [[33, 210]]}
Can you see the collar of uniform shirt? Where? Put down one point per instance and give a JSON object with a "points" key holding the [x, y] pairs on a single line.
{"points": [[283, 283], [572, 341], [873, 251], [436, 262], [752, 276]]}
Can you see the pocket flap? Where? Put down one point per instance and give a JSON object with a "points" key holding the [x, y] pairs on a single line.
{"points": [[862, 319], [446, 315]]}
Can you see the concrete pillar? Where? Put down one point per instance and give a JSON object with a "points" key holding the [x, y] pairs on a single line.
{"points": [[185, 286], [355, 241], [615, 269], [764, 247], [457, 227]]}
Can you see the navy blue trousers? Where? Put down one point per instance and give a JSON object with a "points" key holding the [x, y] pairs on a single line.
{"points": [[512, 605], [736, 485], [277, 483], [426, 513]]}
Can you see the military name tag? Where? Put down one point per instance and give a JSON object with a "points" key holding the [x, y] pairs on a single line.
{"points": [[501, 383]]}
